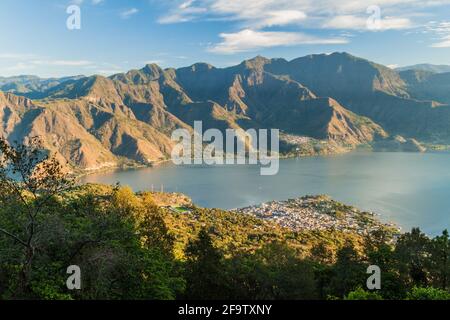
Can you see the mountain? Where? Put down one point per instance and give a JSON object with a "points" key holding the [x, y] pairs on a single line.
{"points": [[31, 86], [341, 75], [370, 90], [426, 67], [88, 136], [254, 97], [338, 99], [424, 85]]}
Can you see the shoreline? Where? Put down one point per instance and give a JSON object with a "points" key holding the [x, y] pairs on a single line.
{"points": [[78, 173]]}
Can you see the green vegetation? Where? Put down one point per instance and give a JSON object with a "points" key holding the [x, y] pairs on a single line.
{"points": [[428, 294], [129, 247], [361, 294]]}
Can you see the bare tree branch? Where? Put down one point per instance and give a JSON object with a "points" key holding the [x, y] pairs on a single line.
{"points": [[14, 237]]}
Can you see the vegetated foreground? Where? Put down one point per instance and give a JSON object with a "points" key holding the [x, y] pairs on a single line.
{"points": [[161, 246]]}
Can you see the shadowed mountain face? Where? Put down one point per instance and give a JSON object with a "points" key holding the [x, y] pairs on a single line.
{"points": [[393, 100], [93, 122], [426, 85]]}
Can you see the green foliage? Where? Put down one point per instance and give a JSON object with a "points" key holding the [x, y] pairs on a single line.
{"points": [[119, 240], [412, 257], [130, 248], [272, 272], [346, 274], [203, 268], [381, 253], [440, 261], [361, 294], [428, 293]]}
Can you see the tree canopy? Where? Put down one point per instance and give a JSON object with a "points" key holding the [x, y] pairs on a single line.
{"points": [[129, 247]]}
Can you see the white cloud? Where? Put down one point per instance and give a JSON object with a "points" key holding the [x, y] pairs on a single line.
{"points": [[444, 43], [260, 17], [19, 67], [186, 11], [248, 40], [312, 13], [186, 4], [32, 59], [390, 23], [15, 56], [68, 63], [345, 22], [392, 66], [281, 18], [27, 63], [442, 31], [158, 62], [352, 22], [80, 2], [108, 72], [47, 67], [128, 13]]}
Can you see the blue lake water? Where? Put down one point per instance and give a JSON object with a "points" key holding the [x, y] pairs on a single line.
{"points": [[409, 189]]}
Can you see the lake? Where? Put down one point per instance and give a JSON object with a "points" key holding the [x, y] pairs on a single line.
{"points": [[409, 189]]}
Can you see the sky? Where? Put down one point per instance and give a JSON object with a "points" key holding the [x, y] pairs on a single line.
{"points": [[53, 38]]}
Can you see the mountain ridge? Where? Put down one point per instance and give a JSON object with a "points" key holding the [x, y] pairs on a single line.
{"points": [[96, 121], [426, 67]]}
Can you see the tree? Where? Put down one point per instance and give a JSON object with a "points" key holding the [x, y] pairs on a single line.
{"points": [[361, 294], [348, 271], [125, 202], [428, 293], [30, 179], [380, 253], [284, 275], [204, 269], [440, 260], [412, 254], [152, 226], [322, 254], [118, 239]]}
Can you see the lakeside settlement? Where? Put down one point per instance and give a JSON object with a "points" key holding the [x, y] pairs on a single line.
{"points": [[318, 213]]}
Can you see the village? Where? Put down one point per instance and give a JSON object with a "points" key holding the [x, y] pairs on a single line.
{"points": [[317, 213]]}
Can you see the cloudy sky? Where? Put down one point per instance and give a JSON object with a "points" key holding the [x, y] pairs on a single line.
{"points": [[116, 35]]}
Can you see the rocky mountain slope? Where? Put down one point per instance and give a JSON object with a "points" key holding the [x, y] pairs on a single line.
{"points": [[374, 91], [95, 122]]}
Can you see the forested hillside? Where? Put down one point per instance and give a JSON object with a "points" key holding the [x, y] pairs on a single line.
{"points": [[137, 246]]}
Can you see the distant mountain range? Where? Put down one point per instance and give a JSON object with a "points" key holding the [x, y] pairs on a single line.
{"points": [[32, 86], [427, 67], [336, 99]]}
